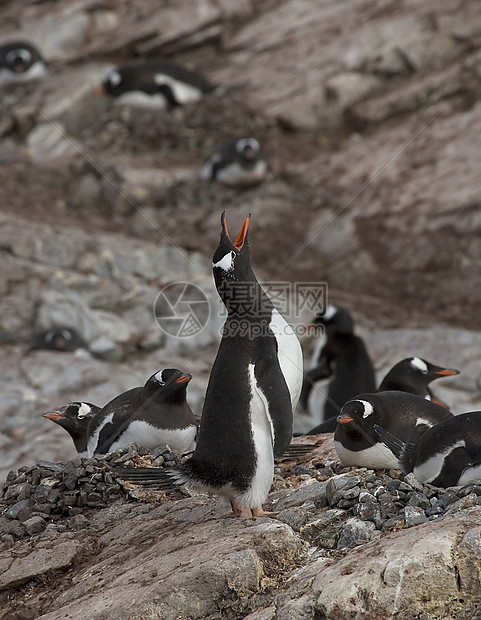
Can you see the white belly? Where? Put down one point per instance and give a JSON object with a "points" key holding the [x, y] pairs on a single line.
{"points": [[290, 355], [235, 174], [144, 434], [139, 99], [430, 469], [375, 457]]}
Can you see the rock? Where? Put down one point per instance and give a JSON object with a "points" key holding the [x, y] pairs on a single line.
{"points": [[18, 570], [355, 532], [35, 525], [48, 141], [413, 515]]}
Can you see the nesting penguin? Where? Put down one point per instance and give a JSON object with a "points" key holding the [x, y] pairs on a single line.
{"points": [[253, 388], [20, 62], [405, 415], [154, 414], [239, 163], [414, 375], [155, 84], [75, 418], [448, 454], [341, 356], [63, 339]]}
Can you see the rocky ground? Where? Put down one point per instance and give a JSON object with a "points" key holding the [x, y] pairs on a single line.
{"points": [[370, 116]]}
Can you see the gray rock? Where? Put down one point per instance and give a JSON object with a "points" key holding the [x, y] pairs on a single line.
{"points": [[414, 515], [13, 511], [35, 525], [338, 486], [355, 532]]}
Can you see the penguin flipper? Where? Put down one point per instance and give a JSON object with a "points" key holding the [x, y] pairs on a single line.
{"points": [[396, 446], [275, 393]]}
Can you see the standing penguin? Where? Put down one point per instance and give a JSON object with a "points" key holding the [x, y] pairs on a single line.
{"points": [[343, 356], [75, 418], [152, 415], [253, 388]]}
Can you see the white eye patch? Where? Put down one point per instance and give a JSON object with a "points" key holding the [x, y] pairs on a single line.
{"points": [[158, 377], [368, 408], [226, 263], [115, 78], [247, 143], [419, 364], [84, 410]]}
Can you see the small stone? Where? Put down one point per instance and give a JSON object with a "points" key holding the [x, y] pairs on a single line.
{"points": [[418, 499], [61, 527], [355, 532], [414, 515], [35, 525], [338, 486], [369, 511], [8, 540], [55, 467], [413, 482], [78, 521], [12, 512]]}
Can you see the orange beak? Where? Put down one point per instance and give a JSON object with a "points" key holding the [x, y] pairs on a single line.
{"points": [[100, 91], [239, 242], [446, 372], [344, 419], [52, 415], [184, 379]]}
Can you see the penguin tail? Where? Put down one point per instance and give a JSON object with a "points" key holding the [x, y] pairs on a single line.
{"points": [[294, 450], [158, 477], [401, 450]]}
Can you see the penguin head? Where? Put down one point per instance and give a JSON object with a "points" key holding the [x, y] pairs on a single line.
{"points": [[167, 384], [231, 260], [414, 373], [248, 149], [356, 410], [20, 62], [114, 83], [430, 371], [73, 415], [335, 319]]}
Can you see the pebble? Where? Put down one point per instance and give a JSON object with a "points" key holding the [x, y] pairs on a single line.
{"points": [[35, 525]]}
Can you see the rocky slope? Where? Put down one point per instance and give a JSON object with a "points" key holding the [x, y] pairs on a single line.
{"points": [[369, 113]]}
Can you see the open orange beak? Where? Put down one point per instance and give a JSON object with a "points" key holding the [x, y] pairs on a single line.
{"points": [[446, 372], [184, 379], [240, 239]]}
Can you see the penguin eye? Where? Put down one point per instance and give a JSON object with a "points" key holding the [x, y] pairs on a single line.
{"points": [[115, 78]]}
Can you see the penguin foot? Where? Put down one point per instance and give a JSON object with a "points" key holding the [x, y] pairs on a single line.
{"points": [[242, 511]]}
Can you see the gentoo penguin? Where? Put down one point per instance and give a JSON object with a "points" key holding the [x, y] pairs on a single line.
{"points": [[20, 62], [240, 163], [59, 339], [154, 414], [404, 415], [75, 418], [253, 388], [448, 454], [413, 375], [343, 356], [155, 84]]}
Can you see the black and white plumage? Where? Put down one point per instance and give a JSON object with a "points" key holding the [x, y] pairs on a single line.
{"points": [[414, 375], [155, 84], [75, 418], [448, 454], [342, 356], [405, 415], [20, 62], [152, 415], [59, 339], [240, 163], [253, 388]]}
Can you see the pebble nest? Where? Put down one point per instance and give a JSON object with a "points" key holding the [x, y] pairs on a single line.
{"points": [[330, 506]]}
